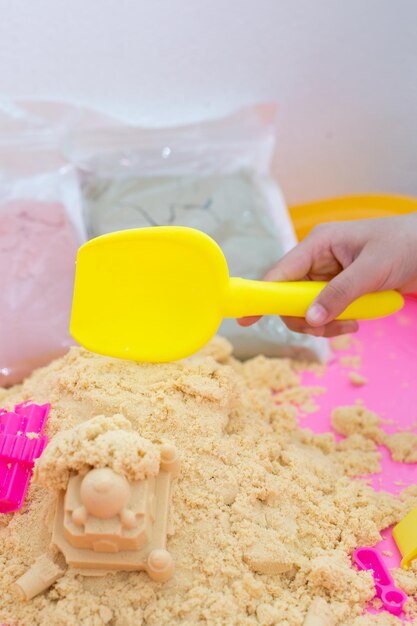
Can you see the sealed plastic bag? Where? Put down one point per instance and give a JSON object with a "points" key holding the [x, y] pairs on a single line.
{"points": [[39, 237], [40, 230], [213, 176]]}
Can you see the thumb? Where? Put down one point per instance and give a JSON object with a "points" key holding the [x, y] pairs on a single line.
{"points": [[355, 281]]}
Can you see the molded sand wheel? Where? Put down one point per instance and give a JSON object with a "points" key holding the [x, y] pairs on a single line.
{"points": [[160, 565]]}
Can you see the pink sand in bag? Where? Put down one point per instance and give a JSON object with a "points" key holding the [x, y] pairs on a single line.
{"points": [[388, 354], [38, 247]]}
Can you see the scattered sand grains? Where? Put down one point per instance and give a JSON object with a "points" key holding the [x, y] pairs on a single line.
{"points": [[356, 419], [403, 446], [342, 342], [357, 379], [353, 361]]}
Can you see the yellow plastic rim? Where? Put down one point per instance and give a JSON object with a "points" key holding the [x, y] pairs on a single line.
{"points": [[306, 216]]}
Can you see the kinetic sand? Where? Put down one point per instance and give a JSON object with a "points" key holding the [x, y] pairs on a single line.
{"points": [[263, 517]]}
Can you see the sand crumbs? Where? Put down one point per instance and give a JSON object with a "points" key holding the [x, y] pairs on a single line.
{"points": [[357, 419], [357, 379], [341, 342], [264, 514]]}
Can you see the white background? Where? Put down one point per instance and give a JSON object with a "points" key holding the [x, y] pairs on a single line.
{"points": [[344, 73]]}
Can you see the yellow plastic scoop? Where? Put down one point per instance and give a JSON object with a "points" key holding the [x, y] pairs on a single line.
{"points": [[159, 294], [405, 536]]}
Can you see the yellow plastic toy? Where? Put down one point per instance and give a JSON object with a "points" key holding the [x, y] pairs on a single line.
{"points": [[159, 294], [405, 536]]}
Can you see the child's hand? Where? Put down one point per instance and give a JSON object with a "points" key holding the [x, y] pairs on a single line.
{"points": [[357, 258]]}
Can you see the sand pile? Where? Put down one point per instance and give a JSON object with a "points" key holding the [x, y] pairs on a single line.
{"points": [[263, 517]]}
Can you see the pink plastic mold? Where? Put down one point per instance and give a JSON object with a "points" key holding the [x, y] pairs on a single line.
{"points": [[391, 597], [21, 442]]}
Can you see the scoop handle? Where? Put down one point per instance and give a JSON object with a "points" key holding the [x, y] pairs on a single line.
{"points": [[253, 297]]}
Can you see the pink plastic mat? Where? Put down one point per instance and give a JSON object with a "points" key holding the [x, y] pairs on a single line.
{"points": [[387, 350]]}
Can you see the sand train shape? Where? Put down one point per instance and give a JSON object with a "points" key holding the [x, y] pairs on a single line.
{"points": [[104, 522]]}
